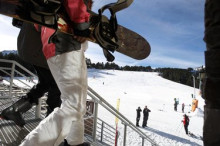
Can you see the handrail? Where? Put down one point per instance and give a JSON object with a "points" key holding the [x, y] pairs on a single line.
{"points": [[105, 134], [19, 65], [98, 99], [13, 70]]}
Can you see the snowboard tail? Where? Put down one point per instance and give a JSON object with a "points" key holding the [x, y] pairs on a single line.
{"points": [[124, 41]]}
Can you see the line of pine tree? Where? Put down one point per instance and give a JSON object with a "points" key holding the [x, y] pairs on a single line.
{"points": [[183, 76]]}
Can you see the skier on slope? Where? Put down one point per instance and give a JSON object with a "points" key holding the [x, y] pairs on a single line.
{"points": [[185, 123], [175, 104], [138, 116], [145, 116], [183, 106]]}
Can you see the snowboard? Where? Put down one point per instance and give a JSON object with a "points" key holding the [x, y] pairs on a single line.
{"points": [[128, 42]]}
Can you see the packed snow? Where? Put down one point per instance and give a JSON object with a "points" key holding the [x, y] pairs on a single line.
{"points": [[136, 89], [144, 88]]}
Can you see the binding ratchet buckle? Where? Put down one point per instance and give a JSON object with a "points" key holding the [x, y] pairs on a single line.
{"points": [[105, 35]]}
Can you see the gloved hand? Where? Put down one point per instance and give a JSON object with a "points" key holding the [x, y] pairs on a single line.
{"points": [[17, 23], [82, 33]]}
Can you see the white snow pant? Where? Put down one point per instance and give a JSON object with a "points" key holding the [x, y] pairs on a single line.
{"points": [[70, 73]]}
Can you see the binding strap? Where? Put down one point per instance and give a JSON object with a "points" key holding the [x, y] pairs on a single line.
{"points": [[44, 11], [104, 30]]}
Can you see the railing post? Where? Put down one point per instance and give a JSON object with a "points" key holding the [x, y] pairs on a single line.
{"points": [[12, 77], [99, 100], [102, 129], [142, 141], [125, 135], [95, 122], [38, 108]]}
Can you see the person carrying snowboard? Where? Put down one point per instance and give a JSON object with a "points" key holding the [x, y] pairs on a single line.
{"points": [[145, 116], [185, 123], [30, 50], [138, 116], [66, 60]]}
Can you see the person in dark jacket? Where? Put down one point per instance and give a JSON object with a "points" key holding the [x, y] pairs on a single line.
{"points": [[145, 116], [175, 104], [30, 51], [185, 123], [211, 81], [183, 107], [67, 63], [36, 57], [138, 116]]}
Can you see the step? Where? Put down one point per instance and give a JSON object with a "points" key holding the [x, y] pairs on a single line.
{"points": [[12, 135]]}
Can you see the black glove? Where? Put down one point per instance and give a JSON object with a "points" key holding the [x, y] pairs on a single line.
{"points": [[83, 33], [17, 23], [81, 29]]}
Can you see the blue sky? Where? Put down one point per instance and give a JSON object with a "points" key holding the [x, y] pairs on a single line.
{"points": [[174, 29]]}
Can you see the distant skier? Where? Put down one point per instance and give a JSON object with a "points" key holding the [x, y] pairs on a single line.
{"points": [[185, 123], [175, 104], [138, 116], [183, 106], [146, 115]]}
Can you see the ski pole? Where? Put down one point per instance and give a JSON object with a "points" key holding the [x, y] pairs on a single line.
{"points": [[178, 127], [181, 127]]}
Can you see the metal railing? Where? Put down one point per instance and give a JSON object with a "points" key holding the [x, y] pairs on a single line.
{"points": [[11, 71], [100, 131], [98, 100], [105, 134]]}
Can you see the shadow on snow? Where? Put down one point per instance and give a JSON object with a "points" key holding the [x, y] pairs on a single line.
{"points": [[173, 137]]}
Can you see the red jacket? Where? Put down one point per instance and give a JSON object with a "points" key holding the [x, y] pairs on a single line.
{"points": [[78, 14], [185, 120]]}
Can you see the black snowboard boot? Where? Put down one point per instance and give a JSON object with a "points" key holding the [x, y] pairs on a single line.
{"points": [[14, 112], [65, 143]]}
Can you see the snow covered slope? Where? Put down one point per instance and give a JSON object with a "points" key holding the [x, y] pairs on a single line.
{"points": [[143, 88]]}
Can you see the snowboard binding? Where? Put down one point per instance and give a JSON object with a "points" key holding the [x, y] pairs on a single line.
{"points": [[102, 29], [105, 29], [104, 34]]}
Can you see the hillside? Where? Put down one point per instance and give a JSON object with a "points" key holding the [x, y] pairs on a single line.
{"points": [[147, 88], [141, 88]]}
